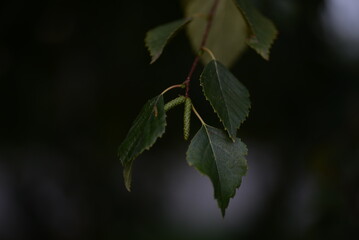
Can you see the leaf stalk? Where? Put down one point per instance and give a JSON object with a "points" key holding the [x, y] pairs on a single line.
{"points": [[207, 50], [172, 87], [198, 116]]}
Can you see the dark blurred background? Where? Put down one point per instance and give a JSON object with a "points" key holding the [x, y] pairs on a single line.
{"points": [[74, 75]]}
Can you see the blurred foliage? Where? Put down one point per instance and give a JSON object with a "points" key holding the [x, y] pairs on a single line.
{"points": [[228, 35]]}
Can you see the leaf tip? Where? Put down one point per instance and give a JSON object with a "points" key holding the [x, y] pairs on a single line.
{"points": [[128, 186], [151, 51], [154, 58], [157, 38], [223, 211], [127, 176]]}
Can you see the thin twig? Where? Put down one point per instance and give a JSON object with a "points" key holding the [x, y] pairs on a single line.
{"points": [[203, 43]]}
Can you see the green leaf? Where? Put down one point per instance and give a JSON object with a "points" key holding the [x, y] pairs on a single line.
{"points": [[263, 31], [157, 38], [228, 34], [148, 126], [228, 97], [212, 153]]}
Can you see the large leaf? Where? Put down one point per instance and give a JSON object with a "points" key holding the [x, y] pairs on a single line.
{"points": [[157, 38], [263, 31], [228, 34], [148, 126], [228, 97], [212, 153]]}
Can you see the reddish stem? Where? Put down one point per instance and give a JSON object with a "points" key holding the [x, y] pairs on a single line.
{"points": [[203, 43]]}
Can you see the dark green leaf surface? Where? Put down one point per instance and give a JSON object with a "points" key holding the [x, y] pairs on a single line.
{"points": [[228, 97], [263, 31], [228, 34], [212, 153], [157, 38], [148, 126]]}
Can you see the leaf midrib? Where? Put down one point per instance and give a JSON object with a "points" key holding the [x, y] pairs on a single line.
{"points": [[224, 99], [215, 158]]}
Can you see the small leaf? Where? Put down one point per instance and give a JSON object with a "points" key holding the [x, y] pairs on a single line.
{"points": [[228, 97], [228, 34], [157, 38], [263, 31], [148, 126], [212, 153]]}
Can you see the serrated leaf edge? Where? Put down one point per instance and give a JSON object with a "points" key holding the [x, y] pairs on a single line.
{"points": [[128, 182], [155, 57], [253, 37], [214, 110], [223, 210]]}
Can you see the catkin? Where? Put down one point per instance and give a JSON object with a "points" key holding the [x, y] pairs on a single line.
{"points": [[175, 102], [187, 118]]}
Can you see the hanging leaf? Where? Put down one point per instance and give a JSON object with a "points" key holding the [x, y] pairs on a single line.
{"points": [[212, 153], [148, 126], [228, 34], [228, 97], [263, 31], [157, 38]]}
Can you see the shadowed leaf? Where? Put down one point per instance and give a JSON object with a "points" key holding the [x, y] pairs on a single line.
{"points": [[157, 38], [148, 126], [263, 31]]}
